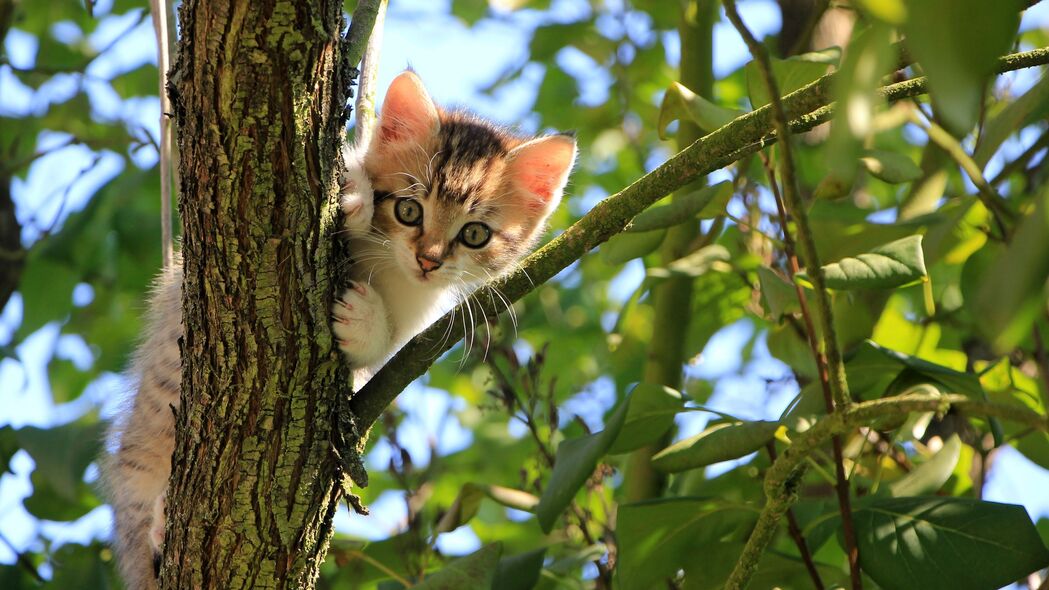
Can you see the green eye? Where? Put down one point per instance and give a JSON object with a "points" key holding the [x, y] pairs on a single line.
{"points": [[409, 212], [475, 234]]}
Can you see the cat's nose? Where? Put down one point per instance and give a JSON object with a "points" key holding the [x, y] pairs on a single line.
{"points": [[428, 264]]}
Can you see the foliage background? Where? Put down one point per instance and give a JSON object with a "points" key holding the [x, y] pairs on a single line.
{"points": [[78, 125]]}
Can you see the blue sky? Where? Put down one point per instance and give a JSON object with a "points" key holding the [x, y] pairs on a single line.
{"points": [[455, 62]]}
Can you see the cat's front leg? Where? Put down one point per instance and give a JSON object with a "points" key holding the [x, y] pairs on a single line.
{"points": [[356, 196], [361, 325]]}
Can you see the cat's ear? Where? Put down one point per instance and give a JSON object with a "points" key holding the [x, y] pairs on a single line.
{"points": [[540, 168], [408, 113]]}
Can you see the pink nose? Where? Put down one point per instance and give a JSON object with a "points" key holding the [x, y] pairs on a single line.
{"points": [[428, 264]]}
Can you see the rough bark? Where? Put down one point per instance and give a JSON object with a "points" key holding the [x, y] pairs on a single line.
{"points": [[259, 92]]}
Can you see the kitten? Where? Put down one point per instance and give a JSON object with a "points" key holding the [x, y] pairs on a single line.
{"points": [[437, 203]]}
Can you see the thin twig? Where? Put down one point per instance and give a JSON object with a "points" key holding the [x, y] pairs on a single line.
{"points": [[361, 26], [366, 80], [159, 10], [1042, 359], [795, 534], [828, 356], [23, 560], [1021, 162]]}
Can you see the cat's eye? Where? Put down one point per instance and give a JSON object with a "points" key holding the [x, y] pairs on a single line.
{"points": [[475, 234], [409, 212]]}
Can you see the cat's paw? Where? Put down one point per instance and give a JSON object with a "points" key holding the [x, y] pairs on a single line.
{"points": [[356, 197], [156, 527], [361, 325]]}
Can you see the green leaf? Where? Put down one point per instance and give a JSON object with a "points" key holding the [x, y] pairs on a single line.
{"points": [[779, 295], [470, 11], [468, 502], [658, 537], [720, 442], [141, 81], [790, 74], [8, 448], [626, 246], [47, 293], [892, 265], [893, 12], [650, 414], [62, 453], [693, 265], [951, 380], [48, 503], [575, 462], [476, 570], [705, 203], [681, 103], [890, 167], [959, 53], [1013, 289], [920, 543], [363, 563], [1032, 106], [928, 477], [519, 572], [80, 567], [869, 58]]}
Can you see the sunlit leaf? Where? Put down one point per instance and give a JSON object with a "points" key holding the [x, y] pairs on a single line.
{"points": [[959, 53], [790, 75], [681, 103], [928, 477], [891, 265], [720, 442], [920, 542], [1013, 289]]}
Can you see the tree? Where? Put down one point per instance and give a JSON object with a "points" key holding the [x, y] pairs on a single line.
{"points": [[894, 266]]}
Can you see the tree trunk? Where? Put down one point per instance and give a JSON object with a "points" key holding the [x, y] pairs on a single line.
{"points": [[259, 90]]}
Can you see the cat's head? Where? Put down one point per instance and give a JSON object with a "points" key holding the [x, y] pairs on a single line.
{"points": [[459, 198]]}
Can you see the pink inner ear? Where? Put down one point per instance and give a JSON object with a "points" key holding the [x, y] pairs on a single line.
{"points": [[408, 113], [541, 167]]}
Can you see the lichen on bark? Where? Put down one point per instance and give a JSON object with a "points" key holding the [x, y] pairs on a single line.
{"points": [[259, 90]]}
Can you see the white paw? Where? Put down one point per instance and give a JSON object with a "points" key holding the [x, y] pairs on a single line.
{"points": [[156, 527], [356, 197], [361, 325]]}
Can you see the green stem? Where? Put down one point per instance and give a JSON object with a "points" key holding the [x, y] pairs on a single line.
{"points": [[672, 299], [806, 108], [827, 352], [783, 477], [991, 199]]}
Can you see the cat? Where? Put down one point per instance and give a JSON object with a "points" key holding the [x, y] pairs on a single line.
{"points": [[436, 204]]}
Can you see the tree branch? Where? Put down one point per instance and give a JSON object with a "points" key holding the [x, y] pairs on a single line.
{"points": [[361, 27], [783, 477], [367, 78], [805, 108]]}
